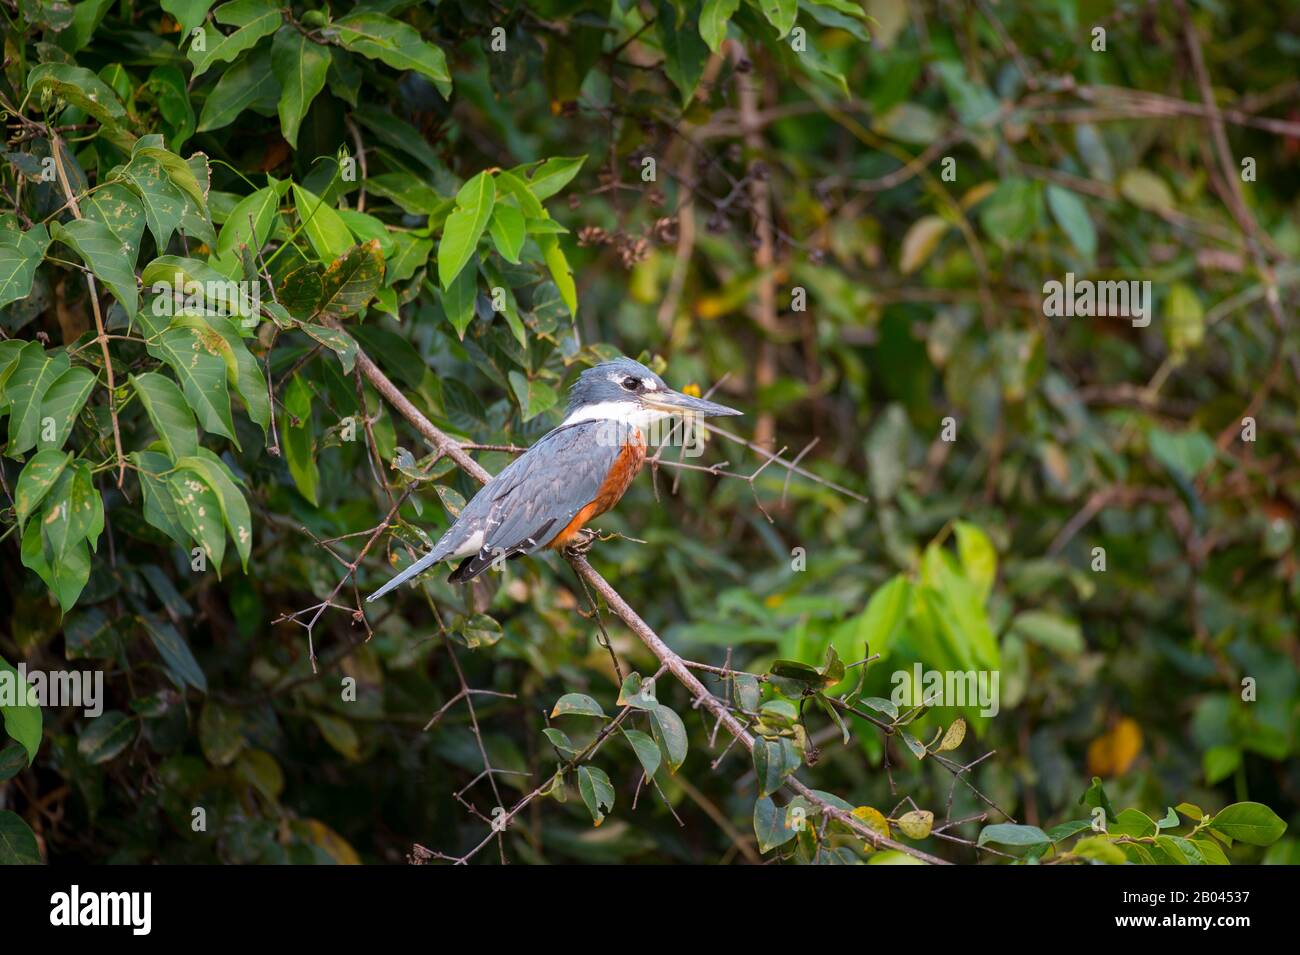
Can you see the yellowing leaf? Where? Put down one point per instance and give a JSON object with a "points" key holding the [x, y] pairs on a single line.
{"points": [[1112, 753], [920, 242]]}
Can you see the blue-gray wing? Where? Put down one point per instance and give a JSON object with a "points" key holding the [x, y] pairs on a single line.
{"points": [[524, 507]]}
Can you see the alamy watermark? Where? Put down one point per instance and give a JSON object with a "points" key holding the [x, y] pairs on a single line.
{"points": [[946, 688], [684, 430], [186, 296], [1085, 298], [80, 688]]}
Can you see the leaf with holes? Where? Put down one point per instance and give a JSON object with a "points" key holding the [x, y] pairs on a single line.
{"points": [[234, 508], [199, 511], [352, 280], [197, 356], [597, 792]]}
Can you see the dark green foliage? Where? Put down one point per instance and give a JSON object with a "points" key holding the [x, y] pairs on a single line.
{"points": [[217, 220]]}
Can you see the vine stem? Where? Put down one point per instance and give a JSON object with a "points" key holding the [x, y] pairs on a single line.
{"points": [[644, 632], [56, 145]]}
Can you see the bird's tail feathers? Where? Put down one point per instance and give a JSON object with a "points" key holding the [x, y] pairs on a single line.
{"points": [[419, 567]]}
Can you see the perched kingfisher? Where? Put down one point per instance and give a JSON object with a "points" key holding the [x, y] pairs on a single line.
{"points": [[572, 474]]}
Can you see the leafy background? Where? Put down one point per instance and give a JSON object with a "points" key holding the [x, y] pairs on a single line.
{"points": [[744, 194]]}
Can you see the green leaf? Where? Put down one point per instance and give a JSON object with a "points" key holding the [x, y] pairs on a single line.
{"points": [[577, 704], [458, 301], [411, 255], [17, 841], [109, 257], [162, 202], [78, 86], [1220, 762], [199, 511], [254, 18], [20, 254], [159, 509], [714, 19], [479, 630], [1146, 190], [1250, 822], [249, 83], [170, 91], [234, 508], [464, 227], [71, 514], [881, 621], [299, 446], [597, 792], [351, 280], [221, 733], [1185, 453], [410, 193], [197, 356], [106, 737], [1012, 213], [64, 401], [326, 231], [339, 733], [1072, 216], [190, 176], [774, 761], [190, 286], [1100, 849], [550, 176], [1049, 630], [1007, 834], [646, 749], [38, 476], [979, 561], [670, 733], [22, 719], [32, 376], [401, 135], [176, 654], [260, 209], [507, 228], [398, 44], [337, 341], [781, 14], [560, 740], [117, 207], [300, 65], [167, 410], [534, 397], [685, 53], [188, 13], [86, 17], [300, 291], [770, 825]]}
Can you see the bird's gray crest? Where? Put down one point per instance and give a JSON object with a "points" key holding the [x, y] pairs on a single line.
{"points": [[603, 383]]}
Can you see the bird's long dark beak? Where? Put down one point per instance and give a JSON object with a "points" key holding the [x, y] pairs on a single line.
{"points": [[677, 403]]}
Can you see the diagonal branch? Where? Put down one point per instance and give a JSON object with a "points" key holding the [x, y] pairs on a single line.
{"points": [[666, 655]]}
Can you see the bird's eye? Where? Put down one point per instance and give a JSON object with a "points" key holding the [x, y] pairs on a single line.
{"points": [[631, 384]]}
